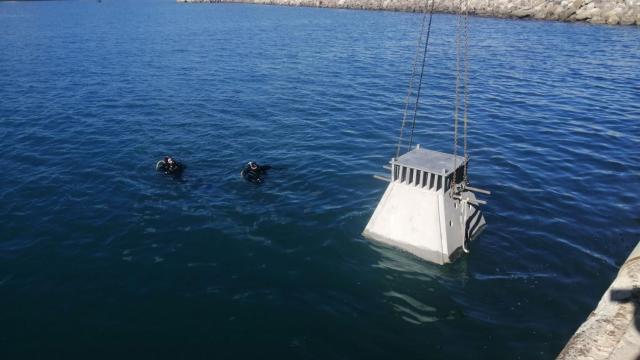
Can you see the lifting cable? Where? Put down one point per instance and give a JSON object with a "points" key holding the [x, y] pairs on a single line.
{"points": [[410, 90], [461, 87], [426, 23]]}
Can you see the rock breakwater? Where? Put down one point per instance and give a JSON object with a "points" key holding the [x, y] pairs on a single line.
{"points": [[613, 12]]}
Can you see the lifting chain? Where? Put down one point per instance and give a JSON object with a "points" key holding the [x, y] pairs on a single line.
{"points": [[462, 70], [466, 90]]}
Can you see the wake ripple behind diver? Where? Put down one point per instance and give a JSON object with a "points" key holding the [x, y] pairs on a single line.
{"points": [[254, 173]]}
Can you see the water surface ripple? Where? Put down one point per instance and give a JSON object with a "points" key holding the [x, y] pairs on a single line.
{"points": [[99, 252]]}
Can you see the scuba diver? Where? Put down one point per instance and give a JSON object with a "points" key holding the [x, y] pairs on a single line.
{"points": [[170, 166], [254, 173]]}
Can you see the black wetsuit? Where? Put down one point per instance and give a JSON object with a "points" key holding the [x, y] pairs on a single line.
{"points": [[172, 169], [255, 175]]}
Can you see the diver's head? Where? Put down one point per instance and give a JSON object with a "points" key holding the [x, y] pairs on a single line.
{"points": [[253, 165], [170, 160]]}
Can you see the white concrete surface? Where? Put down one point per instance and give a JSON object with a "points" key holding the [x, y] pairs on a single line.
{"points": [[612, 330]]}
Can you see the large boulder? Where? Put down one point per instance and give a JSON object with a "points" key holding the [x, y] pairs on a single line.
{"points": [[597, 19], [613, 19], [523, 13], [587, 12]]}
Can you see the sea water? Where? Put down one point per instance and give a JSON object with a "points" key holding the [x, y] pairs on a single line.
{"points": [[101, 256]]}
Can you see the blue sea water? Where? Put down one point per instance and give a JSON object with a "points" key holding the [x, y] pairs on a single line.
{"points": [[102, 257]]}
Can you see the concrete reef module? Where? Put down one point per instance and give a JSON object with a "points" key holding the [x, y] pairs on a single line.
{"points": [[612, 12]]}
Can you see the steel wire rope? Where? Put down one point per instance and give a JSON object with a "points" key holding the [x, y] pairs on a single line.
{"points": [[411, 81], [424, 59]]}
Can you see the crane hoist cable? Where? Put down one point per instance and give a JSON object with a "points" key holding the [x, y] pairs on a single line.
{"points": [[424, 60], [461, 102], [420, 55], [411, 80]]}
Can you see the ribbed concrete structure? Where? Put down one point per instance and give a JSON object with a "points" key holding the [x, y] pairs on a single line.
{"points": [[420, 213], [613, 12]]}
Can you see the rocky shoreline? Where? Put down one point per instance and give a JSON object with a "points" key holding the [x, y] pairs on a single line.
{"points": [[612, 12]]}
